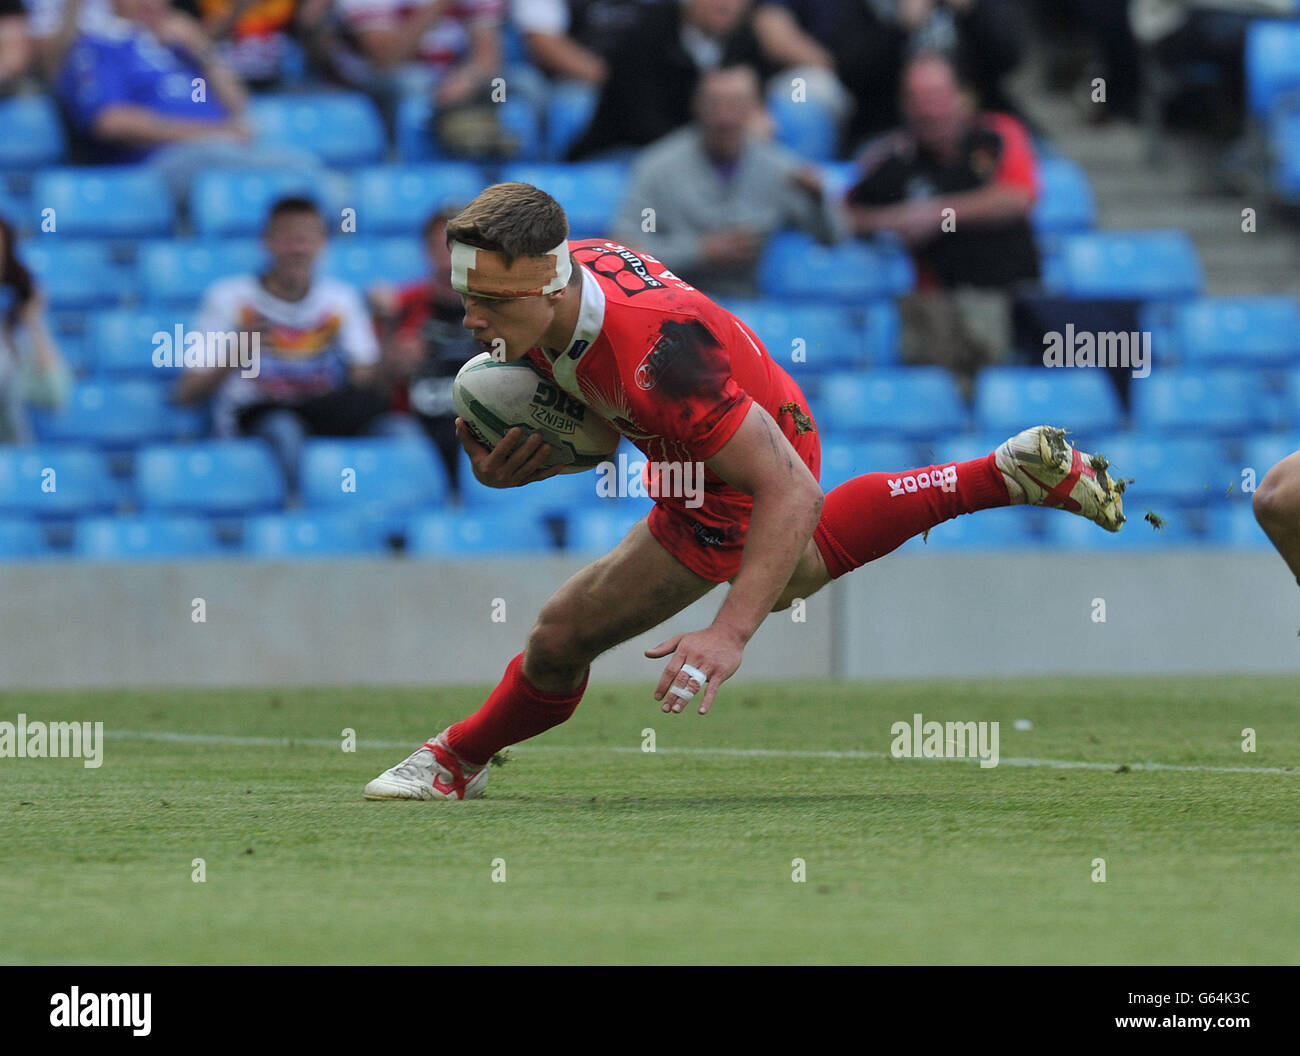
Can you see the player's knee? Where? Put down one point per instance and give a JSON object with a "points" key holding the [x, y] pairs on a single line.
{"points": [[557, 648], [1277, 499]]}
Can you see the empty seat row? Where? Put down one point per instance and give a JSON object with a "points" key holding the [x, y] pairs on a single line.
{"points": [[465, 534]]}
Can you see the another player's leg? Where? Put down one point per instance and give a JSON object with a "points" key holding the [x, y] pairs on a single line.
{"points": [[1277, 508], [874, 514], [635, 587]]}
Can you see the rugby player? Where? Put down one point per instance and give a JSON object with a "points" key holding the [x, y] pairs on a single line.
{"points": [[1277, 508], [683, 379]]}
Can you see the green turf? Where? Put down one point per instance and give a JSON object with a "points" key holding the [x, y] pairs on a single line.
{"points": [[624, 856]]}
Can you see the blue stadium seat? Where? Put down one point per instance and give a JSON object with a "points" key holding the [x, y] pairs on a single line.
{"points": [[414, 137], [1068, 532], [1189, 471], [1228, 331], [147, 537], [1137, 265], [828, 332], [554, 497], [997, 529], [111, 202], [310, 535], [884, 334], [340, 128], [178, 273], [911, 401], [1186, 400], [33, 132], [1263, 451], [520, 119], [121, 341], [599, 531], [54, 481], [806, 126], [391, 476], [1065, 201], [397, 199], [1291, 399], [965, 448], [844, 458], [21, 537], [568, 114], [363, 261], [216, 477], [236, 202], [589, 191], [1272, 63], [118, 414], [461, 534], [1009, 399], [1284, 132], [18, 211], [1235, 525], [74, 274], [794, 265]]}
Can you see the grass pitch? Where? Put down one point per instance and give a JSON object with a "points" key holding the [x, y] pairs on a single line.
{"points": [[612, 854]]}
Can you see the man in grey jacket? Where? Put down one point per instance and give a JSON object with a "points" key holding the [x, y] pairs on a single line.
{"points": [[708, 196]]}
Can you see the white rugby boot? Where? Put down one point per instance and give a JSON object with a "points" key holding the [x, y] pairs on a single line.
{"points": [[432, 771], [1041, 468]]}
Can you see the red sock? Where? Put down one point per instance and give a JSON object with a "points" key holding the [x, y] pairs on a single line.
{"points": [[875, 513], [515, 711]]}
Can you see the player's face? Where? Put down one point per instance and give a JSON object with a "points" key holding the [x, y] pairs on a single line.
{"points": [[518, 321]]}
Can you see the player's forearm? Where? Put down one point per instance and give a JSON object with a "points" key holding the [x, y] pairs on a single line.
{"points": [[779, 529]]}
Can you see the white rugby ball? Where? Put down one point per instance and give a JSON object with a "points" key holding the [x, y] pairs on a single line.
{"points": [[494, 397]]}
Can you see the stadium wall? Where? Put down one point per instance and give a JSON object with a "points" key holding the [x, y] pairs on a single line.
{"points": [[403, 622]]}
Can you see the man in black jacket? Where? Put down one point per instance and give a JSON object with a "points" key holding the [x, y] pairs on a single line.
{"points": [[655, 67]]}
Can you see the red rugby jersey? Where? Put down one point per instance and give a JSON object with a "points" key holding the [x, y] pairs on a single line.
{"points": [[672, 371]]}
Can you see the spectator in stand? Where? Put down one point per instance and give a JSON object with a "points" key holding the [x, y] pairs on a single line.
{"points": [[957, 186], [1177, 32], [56, 25], [425, 344], [130, 88], [718, 192], [575, 39], [659, 62], [31, 370], [446, 50], [869, 41], [317, 349], [15, 45], [256, 37]]}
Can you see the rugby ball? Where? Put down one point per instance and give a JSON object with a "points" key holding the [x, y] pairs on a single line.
{"points": [[494, 397]]}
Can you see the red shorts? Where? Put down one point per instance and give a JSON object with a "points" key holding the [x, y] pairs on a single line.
{"points": [[710, 540]]}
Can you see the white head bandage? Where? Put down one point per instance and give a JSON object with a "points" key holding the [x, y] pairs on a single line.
{"points": [[485, 273]]}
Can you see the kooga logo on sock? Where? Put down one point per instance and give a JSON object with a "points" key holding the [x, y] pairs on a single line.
{"points": [[76, 1009]]}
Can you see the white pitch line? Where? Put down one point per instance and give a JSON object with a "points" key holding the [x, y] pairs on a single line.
{"points": [[744, 753]]}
